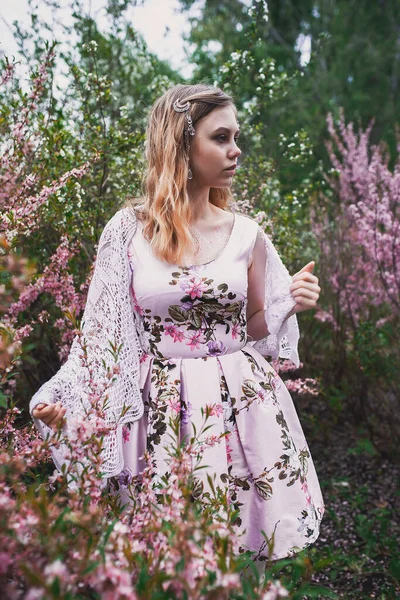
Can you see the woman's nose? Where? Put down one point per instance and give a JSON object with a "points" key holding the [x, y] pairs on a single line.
{"points": [[236, 151]]}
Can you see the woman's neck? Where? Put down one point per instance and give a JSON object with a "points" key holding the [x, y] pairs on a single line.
{"points": [[202, 209]]}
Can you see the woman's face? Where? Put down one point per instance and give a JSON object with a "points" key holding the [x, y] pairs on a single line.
{"points": [[214, 149]]}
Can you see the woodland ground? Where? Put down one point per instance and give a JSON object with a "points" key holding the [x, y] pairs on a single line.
{"points": [[358, 552]]}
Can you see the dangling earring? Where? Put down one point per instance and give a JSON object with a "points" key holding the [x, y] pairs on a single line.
{"points": [[190, 174]]}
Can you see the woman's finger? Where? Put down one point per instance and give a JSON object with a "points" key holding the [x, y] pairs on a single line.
{"points": [[304, 285], [307, 268], [45, 411], [48, 414], [39, 409], [306, 302], [306, 293], [58, 417], [52, 412], [306, 276]]}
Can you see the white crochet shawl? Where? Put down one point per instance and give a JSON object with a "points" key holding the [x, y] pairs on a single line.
{"points": [[109, 316]]}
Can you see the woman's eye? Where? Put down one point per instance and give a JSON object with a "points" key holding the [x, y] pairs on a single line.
{"points": [[223, 138]]}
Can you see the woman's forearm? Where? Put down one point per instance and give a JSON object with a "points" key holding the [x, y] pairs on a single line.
{"points": [[257, 327]]}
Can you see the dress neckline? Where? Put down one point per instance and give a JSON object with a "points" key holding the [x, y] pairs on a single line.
{"points": [[221, 252]]}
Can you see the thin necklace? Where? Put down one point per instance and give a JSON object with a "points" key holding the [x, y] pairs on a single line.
{"points": [[202, 240]]}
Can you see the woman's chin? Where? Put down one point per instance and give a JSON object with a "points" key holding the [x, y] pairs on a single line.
{"points": [[223, 184]]}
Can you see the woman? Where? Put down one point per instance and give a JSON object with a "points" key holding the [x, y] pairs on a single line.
{"points": [[196, 294]]}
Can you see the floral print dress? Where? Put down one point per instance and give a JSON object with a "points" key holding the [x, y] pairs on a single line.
{"points": [[192, 327]]}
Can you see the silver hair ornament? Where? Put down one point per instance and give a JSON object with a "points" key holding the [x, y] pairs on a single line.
{"points": [[189, 130], [178, 107]]}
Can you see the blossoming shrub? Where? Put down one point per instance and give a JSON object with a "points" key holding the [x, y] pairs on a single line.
{"points": [[357, 224], [62, 542], [29, 190], [64, 168]]}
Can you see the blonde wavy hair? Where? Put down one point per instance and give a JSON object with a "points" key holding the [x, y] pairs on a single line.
{"points": [[165, 207]]}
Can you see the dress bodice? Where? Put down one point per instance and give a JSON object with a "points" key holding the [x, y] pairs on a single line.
{"points": [[194, 311]]}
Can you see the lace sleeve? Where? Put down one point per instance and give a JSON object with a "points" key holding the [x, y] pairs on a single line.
{"points": [[282, 339], [108, 317]]}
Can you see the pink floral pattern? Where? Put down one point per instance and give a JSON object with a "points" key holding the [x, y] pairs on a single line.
{"points": [[194, 320]]}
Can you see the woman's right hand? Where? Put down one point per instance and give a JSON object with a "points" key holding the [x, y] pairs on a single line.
{"points": [[50, 414]]}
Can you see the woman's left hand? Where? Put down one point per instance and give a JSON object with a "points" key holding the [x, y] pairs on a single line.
{"points": [[305, 289]]}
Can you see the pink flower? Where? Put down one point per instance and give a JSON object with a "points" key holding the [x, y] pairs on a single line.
{"points": [[179, 336], [136, 305], [304, 487], [170, 330], [22, 332], [174, 403], [125, 433], [34, 594], [365, 238], [194, 340], [275, 591], [229, 449], [212, 440], [303, 386], [55, 569], [235, 331], [193, 286], [175, 333], [43, 316], [228, 580], [215, 410], [261, 395]]}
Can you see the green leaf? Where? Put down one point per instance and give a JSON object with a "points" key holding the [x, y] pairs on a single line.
{"points": [[3, 400], [55, 587], [90, 568], [263, 489], [195, 319], [232, 308], [178, 314], [249, 388]]}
